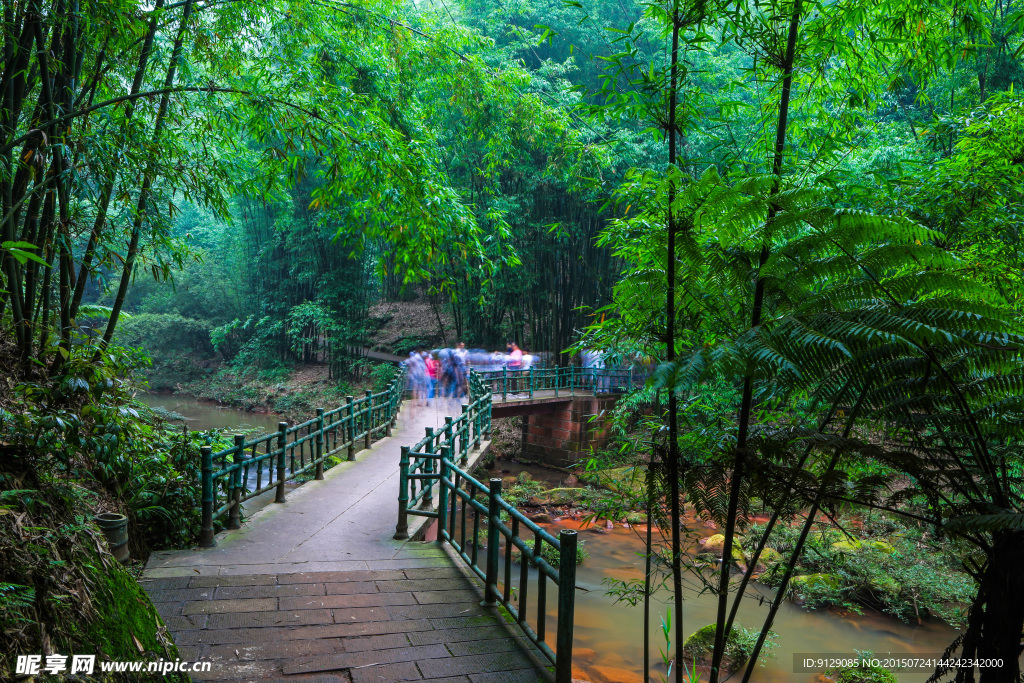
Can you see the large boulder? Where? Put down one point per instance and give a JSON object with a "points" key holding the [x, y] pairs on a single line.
{"points": [[697, 649], [848, 546], [767, 560], [856, 545], [714, 545]]}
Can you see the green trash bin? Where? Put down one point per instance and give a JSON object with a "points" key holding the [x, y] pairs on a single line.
{"points": [[115, 528]]}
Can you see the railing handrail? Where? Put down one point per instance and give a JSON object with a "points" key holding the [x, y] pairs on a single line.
{"points": [[571, 379], [329, 432], [434, 461]]}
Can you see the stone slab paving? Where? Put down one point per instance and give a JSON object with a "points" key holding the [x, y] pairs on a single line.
{"points": [[358, 626], [316, 589]]}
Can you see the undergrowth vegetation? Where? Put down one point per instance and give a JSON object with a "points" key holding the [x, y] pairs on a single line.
{"points": [[887, 565], [72, 450]]}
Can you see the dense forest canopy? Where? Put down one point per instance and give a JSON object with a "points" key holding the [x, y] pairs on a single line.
{"points": [[807, 214]]}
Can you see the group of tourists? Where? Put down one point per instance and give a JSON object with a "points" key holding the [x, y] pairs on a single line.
{"points": [[440, 377], [443, 374]]}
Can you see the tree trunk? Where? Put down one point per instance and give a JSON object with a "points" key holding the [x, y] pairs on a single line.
{"points": [[1000, 624]]}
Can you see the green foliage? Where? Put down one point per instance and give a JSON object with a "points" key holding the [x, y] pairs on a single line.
{"points": [[166, 333], [380, 376], [90, 428], [553, 556], [406, 345], [738, 647], [903, 573]]}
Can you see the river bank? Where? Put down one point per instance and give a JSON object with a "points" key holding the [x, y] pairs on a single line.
{"points": [[290, 393]]}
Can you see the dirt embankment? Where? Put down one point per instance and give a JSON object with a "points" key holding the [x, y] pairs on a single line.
{"points": [[402, 326]]}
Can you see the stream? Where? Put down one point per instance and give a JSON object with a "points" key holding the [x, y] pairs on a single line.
{"points": [[609, 635], [202, 415]]}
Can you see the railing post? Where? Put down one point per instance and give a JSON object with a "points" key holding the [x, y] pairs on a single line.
{"points": [[558, 376], [487, 419], [206, 470], [234, 516], [319, 443], [572, 378], [504, 383], [389, 418], [351, 431], [399, 394], [493, 515], [282, 442], [566, 605], [402, 528], [531, 381], [428, 468], [442, 494], [472, 429], [368, 419], [467, 437], [448, 437]]}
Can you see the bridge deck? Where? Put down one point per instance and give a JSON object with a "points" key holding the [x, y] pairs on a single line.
{"points": [[316, 589]]}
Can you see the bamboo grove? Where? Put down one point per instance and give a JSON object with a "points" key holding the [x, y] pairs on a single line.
{"points": [[806, 215], [777, 284]]}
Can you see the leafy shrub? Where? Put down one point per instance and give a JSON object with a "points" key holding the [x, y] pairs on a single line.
{"points": [[902, 574], [405, 345], [380, 376], [89, 428], [739, 645], [552, 556]]}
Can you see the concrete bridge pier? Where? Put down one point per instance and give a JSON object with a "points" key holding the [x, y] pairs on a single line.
{"points": [[559, 431]]}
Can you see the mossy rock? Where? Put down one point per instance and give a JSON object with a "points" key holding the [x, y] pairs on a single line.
{"points": [[856, 545], [847, 546], [769, 557], [626, 480], [883, 546], [699, 646], [700, 642], [812, 581], [635, 518], [715, 544], [863, 674], [126, 625]]}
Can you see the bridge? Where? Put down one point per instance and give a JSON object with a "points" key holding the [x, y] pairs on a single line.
{"points": [[329, 581]]}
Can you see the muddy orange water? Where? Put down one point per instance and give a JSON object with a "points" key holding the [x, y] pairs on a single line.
{"points": [[608, 635]]}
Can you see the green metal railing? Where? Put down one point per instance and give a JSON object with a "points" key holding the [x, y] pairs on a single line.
{"points": [[571, 380], [290, 452], [464, 502]]}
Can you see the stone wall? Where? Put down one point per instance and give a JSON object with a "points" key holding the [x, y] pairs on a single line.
{"points": [[567, 431]]}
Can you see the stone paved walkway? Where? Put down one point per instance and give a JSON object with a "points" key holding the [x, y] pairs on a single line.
{"points": [[316, 589]]}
